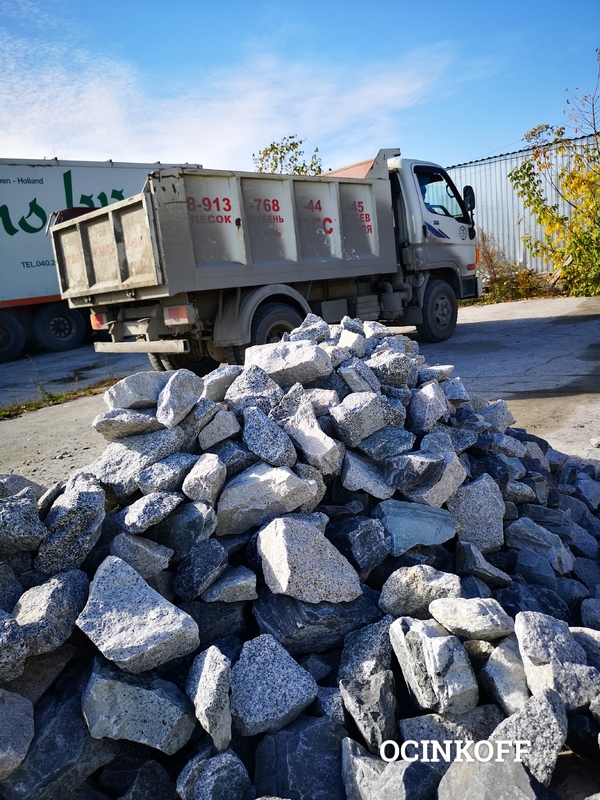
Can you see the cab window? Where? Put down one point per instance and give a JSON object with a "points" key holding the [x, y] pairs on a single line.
{"points": [[439, 194]]}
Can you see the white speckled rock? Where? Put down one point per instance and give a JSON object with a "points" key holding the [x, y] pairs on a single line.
{"points": [[208, 688], [205, 480], [476, 618], [178, 396], [130, 623]]}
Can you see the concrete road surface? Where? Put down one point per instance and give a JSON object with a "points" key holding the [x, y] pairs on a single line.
{"points": [[542, 356]]}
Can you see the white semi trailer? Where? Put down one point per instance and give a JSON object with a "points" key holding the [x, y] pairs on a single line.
{"points": [[30, 190], [203, 263]]}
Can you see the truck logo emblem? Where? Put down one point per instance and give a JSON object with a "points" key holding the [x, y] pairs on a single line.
{"points": [[462, 232]]}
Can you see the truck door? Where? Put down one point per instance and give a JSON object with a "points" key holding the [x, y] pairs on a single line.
{"points": [[447, 227]]}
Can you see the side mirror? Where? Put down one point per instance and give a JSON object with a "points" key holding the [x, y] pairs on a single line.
{"points": [[469, 196]]}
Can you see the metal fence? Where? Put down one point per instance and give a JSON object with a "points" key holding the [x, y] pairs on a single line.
{"points": [[499, 211]]}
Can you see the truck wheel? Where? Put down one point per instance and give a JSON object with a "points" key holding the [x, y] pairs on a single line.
{"points": [[440, 310], [155, 362], [272, 320], [58, 327], [201, 366], [12, 337]]}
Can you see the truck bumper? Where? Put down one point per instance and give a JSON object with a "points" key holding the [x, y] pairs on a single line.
{"points": [[162, 346]]}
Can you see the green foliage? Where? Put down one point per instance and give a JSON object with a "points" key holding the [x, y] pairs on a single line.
{"points": [[569, 170], [504, 280], [287, 157]]}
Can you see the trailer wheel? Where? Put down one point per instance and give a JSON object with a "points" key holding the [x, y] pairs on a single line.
{"points": [[155, 362], [12, 337], [272, 320], [58, 327], [440, 310]]}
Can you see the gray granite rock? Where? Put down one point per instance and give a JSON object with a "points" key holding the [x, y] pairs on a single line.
{"points": [[20, 526], [290, 362], [298, 561], [207, 687], [151, 780], [358, 376], [504, 676], [11, 588], [371, 703], [477, 509], [428, 404], [148, 558], [205, 480], [322, 400], [542, 722], [470, 561], [524, 532], [214, 777], [479, 618], [149, 510], [590, 613], [392, 368], [359, 415], [177, 397], [46, 614], [140, 390], [435, 666], [235, 456], [309, 627], [410, 524], [589, 640], [308, 473], [219, 380], [223, 425], [552, 659], [404, 780], [499, 415], [329, 704], [166, 475], [266, 439], [353, 341], [409, 590], [253, 388], [201, 414], [257, 703], [62, 753], [366, 652], [303, 761], [188, 524], [140, 708], [234, 585], [16, 731], [11, 484], [453, 475], [130, 623], [363, 541], [317, 448], [120, 422], [360, 770], [200, 568], [40, 672], [121, 462], [259, 494], [360, 475]]}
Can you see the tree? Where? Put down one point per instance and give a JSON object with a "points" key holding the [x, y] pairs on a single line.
{"points": [[569, 169], [286, 156]]}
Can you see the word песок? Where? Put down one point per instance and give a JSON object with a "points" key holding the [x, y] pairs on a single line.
{"points": [[453, 750]]}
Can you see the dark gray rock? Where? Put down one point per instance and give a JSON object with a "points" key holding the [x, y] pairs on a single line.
{"points": [[535, 568], [13, 648], [253, 388], [20, 526], [40, 672], [361, 475], [312, 628], [363, 541], [471, 561], [410, 524], [121, 604], [235, 585], [214, 777], [412, 470], [366, 652], [16, 731], [216, 620], [189, 524], [524, 533], [518, 597], [358, 376], [265, 438], [141, 708], [11, 588], [152, 780], [46, 613], [257, 703], [360, 770], [386, 443], [371, 703], [588, 572], [302, 761], [477, 509], [590, 613], [402, 780], [166, 475], [235, 456], [51, 771], [205, 562], [590, 641], [201, 414]]}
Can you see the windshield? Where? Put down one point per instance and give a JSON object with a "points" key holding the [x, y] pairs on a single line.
{"points": [[439, 194]]}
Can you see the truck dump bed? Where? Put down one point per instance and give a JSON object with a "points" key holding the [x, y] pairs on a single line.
{"points": [[196, 229]]}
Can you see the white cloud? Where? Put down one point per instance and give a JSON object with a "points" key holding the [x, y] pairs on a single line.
{"points": [[77, 105]]}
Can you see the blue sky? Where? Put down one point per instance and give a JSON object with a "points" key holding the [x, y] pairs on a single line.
{"points": [[212, 83]]}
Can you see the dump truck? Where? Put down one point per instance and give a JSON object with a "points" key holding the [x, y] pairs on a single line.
{"points": [[203, 263], [31, 307]]}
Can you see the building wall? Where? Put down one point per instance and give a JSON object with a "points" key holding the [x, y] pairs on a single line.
{"points": [[498, 210]]}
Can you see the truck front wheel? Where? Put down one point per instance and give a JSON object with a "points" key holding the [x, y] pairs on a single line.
{"points": [[272, 320], [12, 337], [440, 310], [58, 327]]}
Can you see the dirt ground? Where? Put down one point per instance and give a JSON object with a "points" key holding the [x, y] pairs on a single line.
{"points": [[542, 356]]}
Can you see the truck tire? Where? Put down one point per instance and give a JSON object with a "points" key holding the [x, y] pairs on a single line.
{"points": [[201, 366], [156, 362], [58, 327], [12, 337], [440, 311], [272, 320]]}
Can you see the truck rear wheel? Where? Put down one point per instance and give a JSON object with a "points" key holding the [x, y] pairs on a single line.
{"points": [[440, 310], [58, 327], [12, 337], [156, 362], [272, 320]]}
